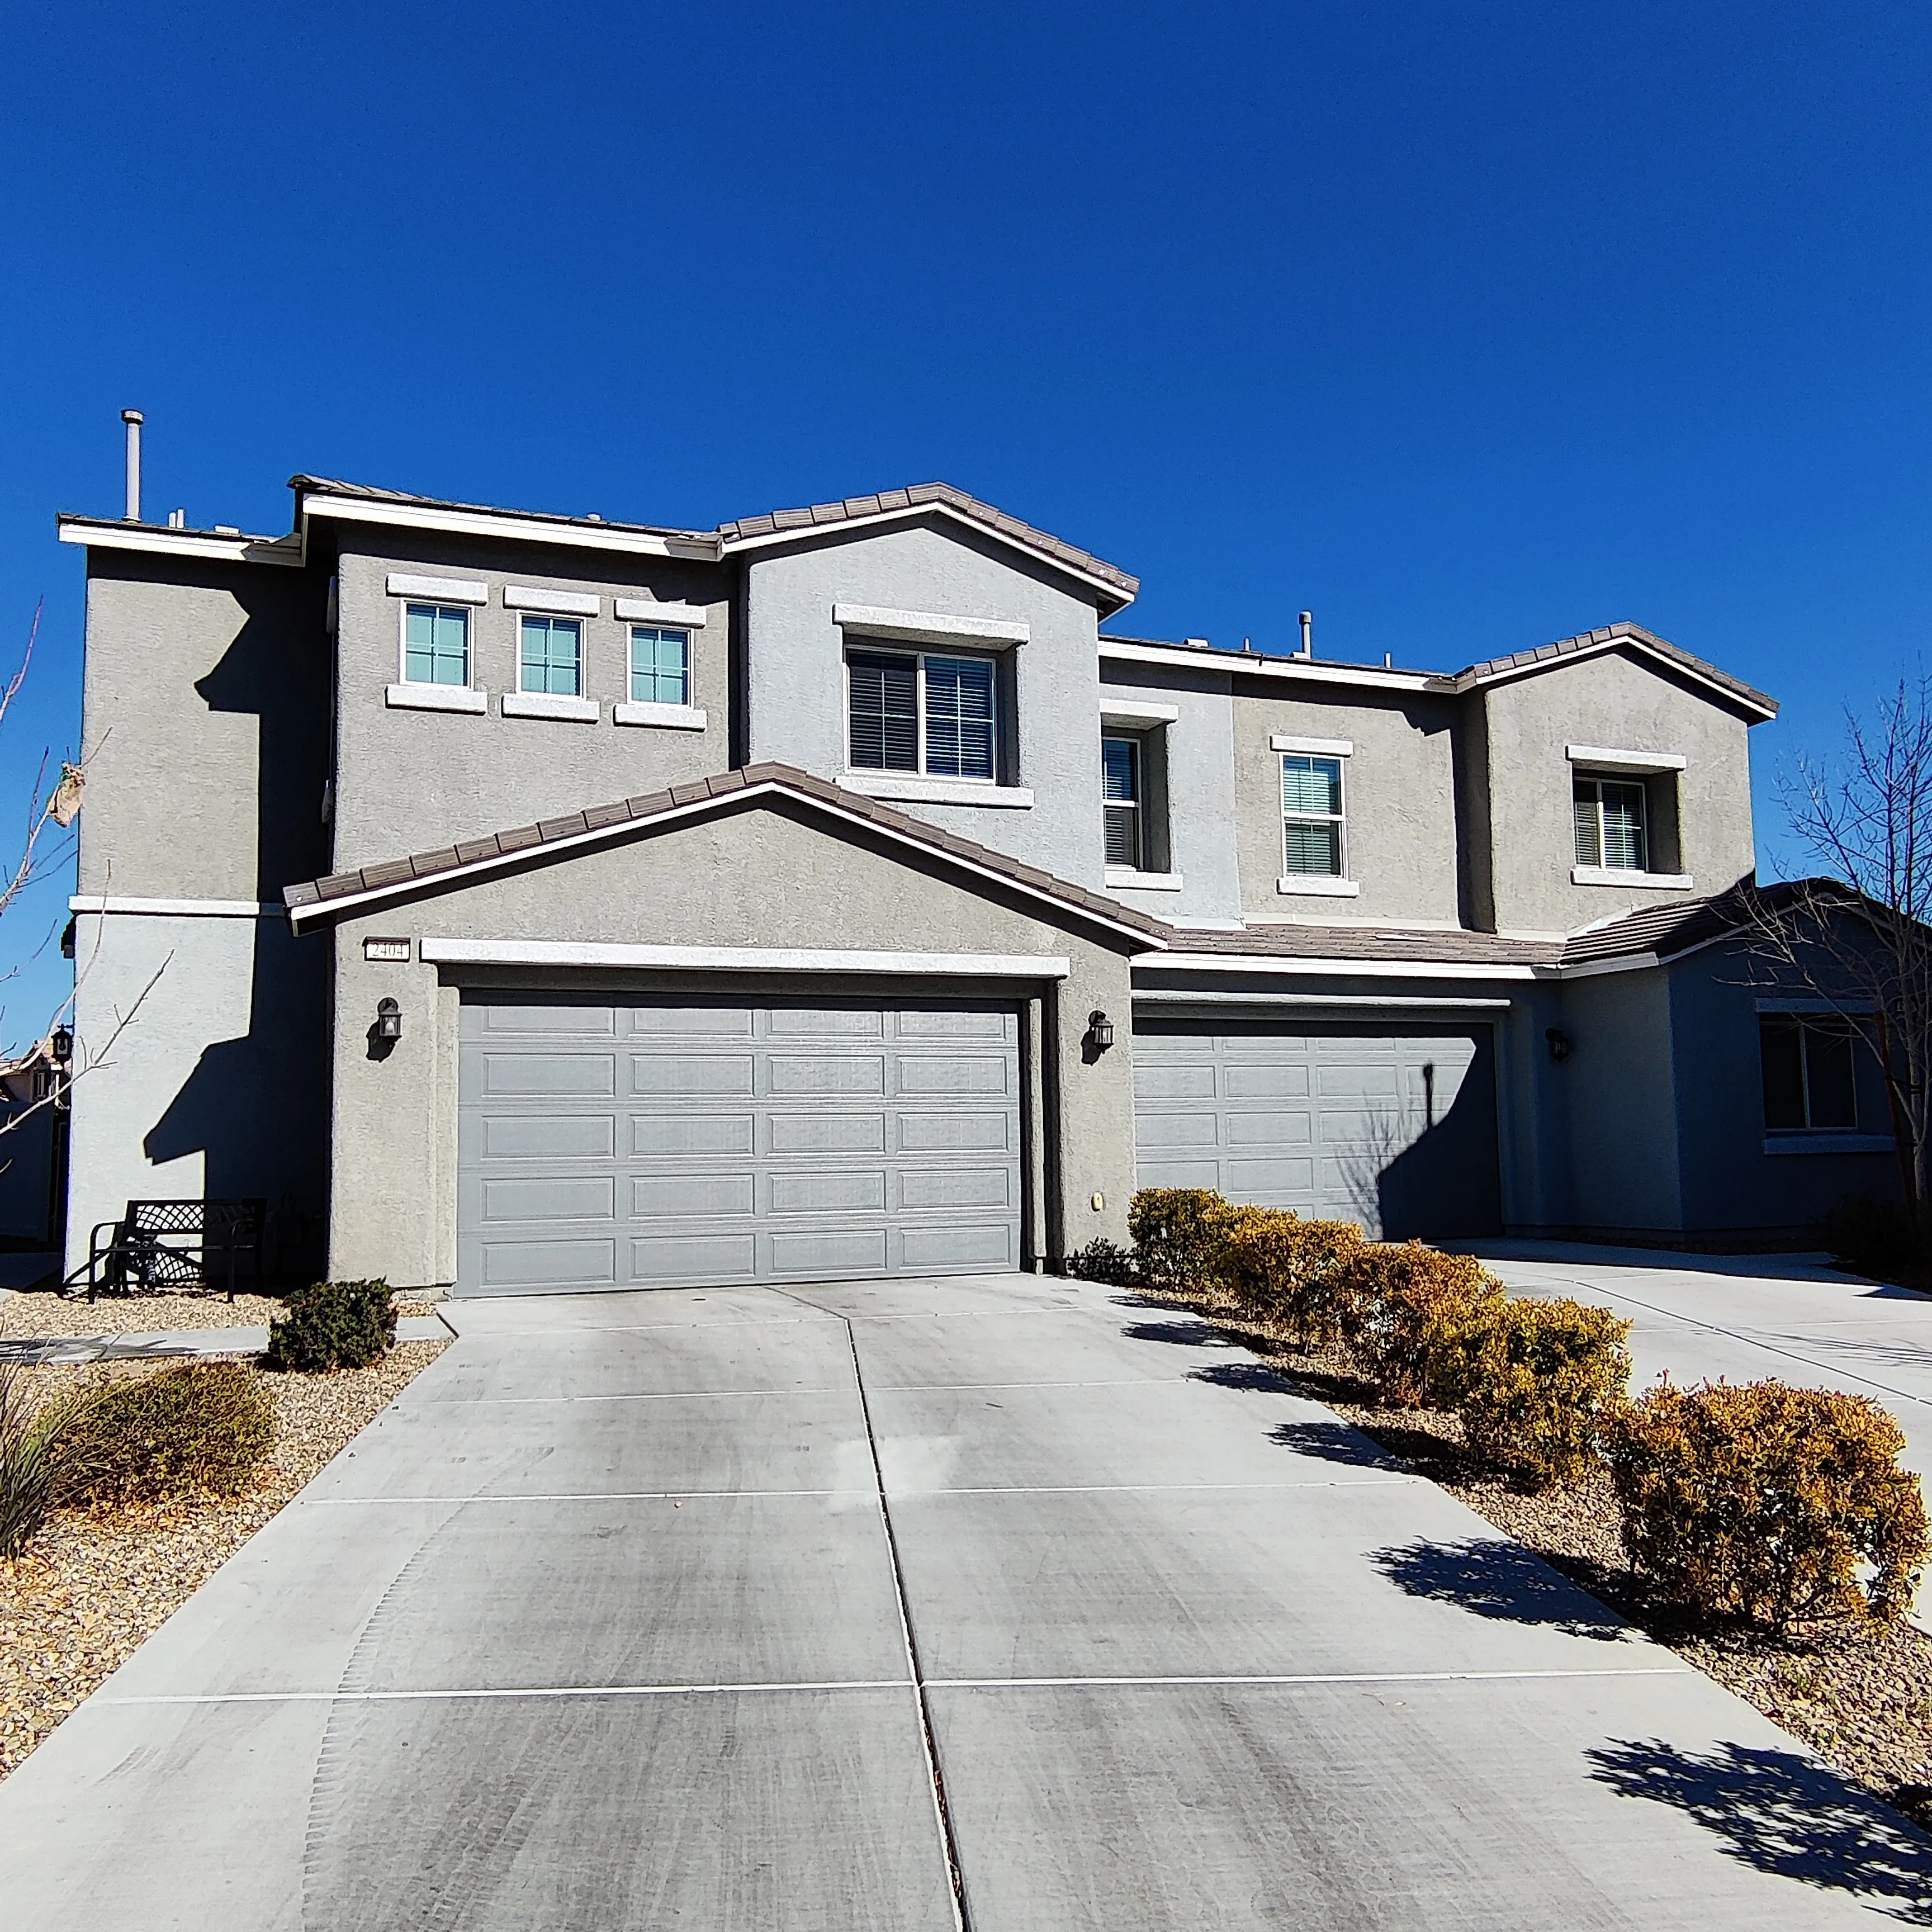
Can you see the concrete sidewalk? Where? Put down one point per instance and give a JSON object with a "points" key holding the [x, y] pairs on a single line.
{"points": [[184, 1343], [658, 1610]]}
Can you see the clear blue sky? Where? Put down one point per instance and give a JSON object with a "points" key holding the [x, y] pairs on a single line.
{"points": [[1468, 326]]}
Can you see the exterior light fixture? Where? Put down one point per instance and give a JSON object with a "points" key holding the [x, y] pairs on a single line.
{"points": [[1099, 1030], [1559, 1043], [60, 1044], [389, 1020]]}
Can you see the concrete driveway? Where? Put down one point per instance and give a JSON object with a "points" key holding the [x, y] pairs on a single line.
{"points": [[683, 1609]]}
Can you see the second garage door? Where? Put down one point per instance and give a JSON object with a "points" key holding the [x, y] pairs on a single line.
{"points": [[686, 1142], [1397, 1131]]}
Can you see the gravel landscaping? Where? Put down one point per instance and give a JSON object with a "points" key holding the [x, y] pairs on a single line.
{"points": [[93, 1584], [36, 1316], [1860, 1696]]}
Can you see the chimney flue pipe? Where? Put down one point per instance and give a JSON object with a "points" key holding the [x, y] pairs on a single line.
{"points": [[132, 418]]}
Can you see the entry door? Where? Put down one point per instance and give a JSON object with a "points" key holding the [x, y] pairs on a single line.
{"points": [[685, 1141], [1395, 1130]]}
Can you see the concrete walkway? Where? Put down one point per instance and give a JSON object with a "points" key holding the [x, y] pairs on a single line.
{"points": [[679, 1609]]}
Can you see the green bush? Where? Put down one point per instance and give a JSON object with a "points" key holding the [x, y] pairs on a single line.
{"points": [[1413, 1319], [1767, 1503], [1873, 1236], [1102, 1261], [34, 1440], [1177, 1234], [195, 1425], [1290, 1270], [335, 1324], [1542, 1380]]}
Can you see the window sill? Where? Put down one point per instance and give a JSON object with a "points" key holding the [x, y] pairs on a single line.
{"points": [[916, 790], [436, 697], [1317, 885], [1825, 1143], [666, 717], [1615, 875], [1143, 882], [548, 704]]}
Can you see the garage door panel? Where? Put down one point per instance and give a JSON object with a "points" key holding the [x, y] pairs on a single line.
{"points": [[1269, 1183], [793, 1140], [1265, 1082], [1161, 1131], [1171, 1082], [1296, 1130]]}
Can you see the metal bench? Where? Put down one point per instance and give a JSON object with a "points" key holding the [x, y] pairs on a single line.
{"points": [[165, 1247]]}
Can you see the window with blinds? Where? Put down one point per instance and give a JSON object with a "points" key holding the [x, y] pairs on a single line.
{"points": [[912, 712], [1311, 809], [1121, 793], [1611, 830]]}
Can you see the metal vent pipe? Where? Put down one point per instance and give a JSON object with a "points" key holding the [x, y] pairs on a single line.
{"points": [[1308, 634], [132, 418]]}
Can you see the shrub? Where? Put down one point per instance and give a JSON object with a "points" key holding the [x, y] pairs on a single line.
{"points": [[1177, 1234], [335, 1324], [1873, 1236], [33, 1445], [1765, 1502], [195, 1426], [1544, 1378], [1103, 1261], [1413, 1319], [1292, 1270]]}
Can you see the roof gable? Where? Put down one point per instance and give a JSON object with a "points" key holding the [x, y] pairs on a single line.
{"points": [[1616, 637]]}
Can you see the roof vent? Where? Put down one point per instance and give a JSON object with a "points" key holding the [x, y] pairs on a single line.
{"points": [[1307, 633], [177, 520], [228, 529], [133, 418], [1198, 644]]}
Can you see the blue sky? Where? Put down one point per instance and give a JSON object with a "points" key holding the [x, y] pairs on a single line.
{"points": [[1467, 327]]}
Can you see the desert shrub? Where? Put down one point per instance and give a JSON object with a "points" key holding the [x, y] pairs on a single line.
{"points": [[1177, 1234], [1413, 1319], [1767, 1503], [1290, 1270], [1544, 1378], [335, 1324], [1873, 1236], [194, 1426], [1103, 1261], [34, 1440]]}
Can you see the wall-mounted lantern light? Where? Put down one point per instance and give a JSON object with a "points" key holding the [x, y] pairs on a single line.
{"points": [[1099, 1030], [389, 1020], [60, 1044], [1559, 1043]]}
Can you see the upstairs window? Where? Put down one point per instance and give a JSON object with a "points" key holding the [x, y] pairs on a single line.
{"points": [[1311, 809], [660, 665], [551, 659], [436, 644], [1810, 1068], [1611, 830], [1121, 791], [912, 711]]}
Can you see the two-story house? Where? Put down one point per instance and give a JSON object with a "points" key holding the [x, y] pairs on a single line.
{"points": [[524, 902]]}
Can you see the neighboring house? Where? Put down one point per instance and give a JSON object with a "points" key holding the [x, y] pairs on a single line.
{"points": [[33, 1139], [544, 902]]}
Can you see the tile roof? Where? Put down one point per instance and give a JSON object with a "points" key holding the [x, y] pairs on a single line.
{"points": [[315, 895], [1492, 668], [1418, 944]]}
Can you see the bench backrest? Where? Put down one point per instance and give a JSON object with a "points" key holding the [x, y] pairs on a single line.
{"points": [[226, 1223]]}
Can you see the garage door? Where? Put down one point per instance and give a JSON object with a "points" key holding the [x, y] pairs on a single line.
{"points": [[682, 1141], [1397, 1131]]}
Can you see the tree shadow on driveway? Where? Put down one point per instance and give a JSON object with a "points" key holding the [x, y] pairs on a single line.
{"points": [[1781, 1814], [1336, 1442], [1179, 1334], [1490, 1578]]}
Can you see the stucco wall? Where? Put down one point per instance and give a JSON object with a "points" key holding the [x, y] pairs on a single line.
{"points": [[410, 781], [758, 876], [796, 694], [1623, 702]]}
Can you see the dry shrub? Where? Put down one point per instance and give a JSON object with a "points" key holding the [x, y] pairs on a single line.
{"points": [[1770, 1503], [195, 1425], [1413, 1319], [33, 1439], [1544, 1377], [1177, 1233], [1290, 1270]]}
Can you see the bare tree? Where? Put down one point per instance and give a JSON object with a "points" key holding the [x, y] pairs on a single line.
{"points": [[1857, 939]]}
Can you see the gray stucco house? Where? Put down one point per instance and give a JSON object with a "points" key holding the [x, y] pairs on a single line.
{"points": [[539, 902]]}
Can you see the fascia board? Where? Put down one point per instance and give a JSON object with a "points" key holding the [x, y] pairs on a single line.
{"points": [[307, 915], [1179, 996], [176, 543], [436, 951], [508, 527], [1296, 671], [105, 903], [1341, 969]]}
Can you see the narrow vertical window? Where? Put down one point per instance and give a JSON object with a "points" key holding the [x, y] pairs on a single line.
{"points": [[1121, 792], [660, 666], [959, 718], [885, 711], [1311, 804], [552, 657], [436, 644]]}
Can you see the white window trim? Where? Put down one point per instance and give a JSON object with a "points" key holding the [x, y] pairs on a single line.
{"points": [[926, 627], [1317, 885], [1120, 714], [1313, 747], [1613, 875], [926, 780], [551, 603], [436, 589], [678, 616], [404, 680], [1649, 764], [1125, 879], [665, 717], [582, 669], [916, 788], [437, 697], [551, 704]]}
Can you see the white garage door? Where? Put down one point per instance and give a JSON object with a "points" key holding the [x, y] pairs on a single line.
{"points": [[1397, 1131], [685, 1141]]}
